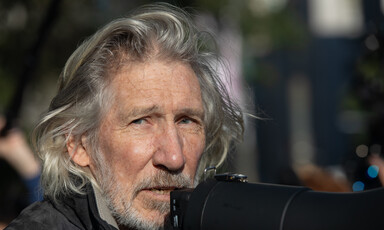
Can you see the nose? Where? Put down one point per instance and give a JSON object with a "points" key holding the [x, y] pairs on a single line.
{"points": [[169, 155]]}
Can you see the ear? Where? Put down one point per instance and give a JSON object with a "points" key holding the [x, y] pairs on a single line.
{"points": [[77, 151]]}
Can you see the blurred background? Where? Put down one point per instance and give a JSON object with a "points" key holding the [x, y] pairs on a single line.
{"points": [[311, 70]]}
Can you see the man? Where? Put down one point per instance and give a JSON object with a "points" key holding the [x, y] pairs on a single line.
{"points": [[140, 112]]}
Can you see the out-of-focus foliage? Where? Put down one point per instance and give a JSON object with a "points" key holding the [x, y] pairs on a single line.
{"points": [[264, 24]]}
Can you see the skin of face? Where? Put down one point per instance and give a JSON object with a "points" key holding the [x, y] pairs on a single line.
{"points": [[155, 123]]}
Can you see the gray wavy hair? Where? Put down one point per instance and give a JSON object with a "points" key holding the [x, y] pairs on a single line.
{"points": [[80, 103]]}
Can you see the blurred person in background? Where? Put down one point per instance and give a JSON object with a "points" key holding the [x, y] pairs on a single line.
{"points": [[140, 111], [19, 175]]}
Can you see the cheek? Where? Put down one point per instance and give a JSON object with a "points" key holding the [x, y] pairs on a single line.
{"points": [[195, 149], [127, 155]]}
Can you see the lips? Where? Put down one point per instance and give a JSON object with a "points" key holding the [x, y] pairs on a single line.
{"points": [[160, 185], [161, 190]]}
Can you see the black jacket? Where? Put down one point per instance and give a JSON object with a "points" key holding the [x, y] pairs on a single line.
{"points": [[71, 212]]}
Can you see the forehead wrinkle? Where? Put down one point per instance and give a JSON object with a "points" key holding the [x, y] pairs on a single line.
{"points": [[142, 77], [169, 77]]}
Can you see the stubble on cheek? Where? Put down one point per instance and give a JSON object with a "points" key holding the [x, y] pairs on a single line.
{"points": [[128, 204]]}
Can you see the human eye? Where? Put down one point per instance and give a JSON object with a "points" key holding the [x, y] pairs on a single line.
{"points": [[185, 120], [191, 124], [139, 121]]}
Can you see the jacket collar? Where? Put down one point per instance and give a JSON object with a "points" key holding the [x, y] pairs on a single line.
{"points": [[86, 211], [102, 208]]}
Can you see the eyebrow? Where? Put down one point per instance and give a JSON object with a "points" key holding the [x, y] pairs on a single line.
{"points": [[140, 111], [192, 112]]}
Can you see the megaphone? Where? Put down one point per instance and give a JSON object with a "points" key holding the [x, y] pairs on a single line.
{"points": [[228, 202]]}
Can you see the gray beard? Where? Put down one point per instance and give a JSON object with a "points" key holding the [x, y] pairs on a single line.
{"points": [[122, 210]]}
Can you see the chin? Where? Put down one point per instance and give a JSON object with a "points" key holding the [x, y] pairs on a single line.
{"points": [[139, 217], [153, 216]]}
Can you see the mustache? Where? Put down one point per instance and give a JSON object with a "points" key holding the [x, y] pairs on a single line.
{"points": [[163, 179]]}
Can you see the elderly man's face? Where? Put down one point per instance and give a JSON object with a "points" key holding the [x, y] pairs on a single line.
{"points": [[151, 140]]}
